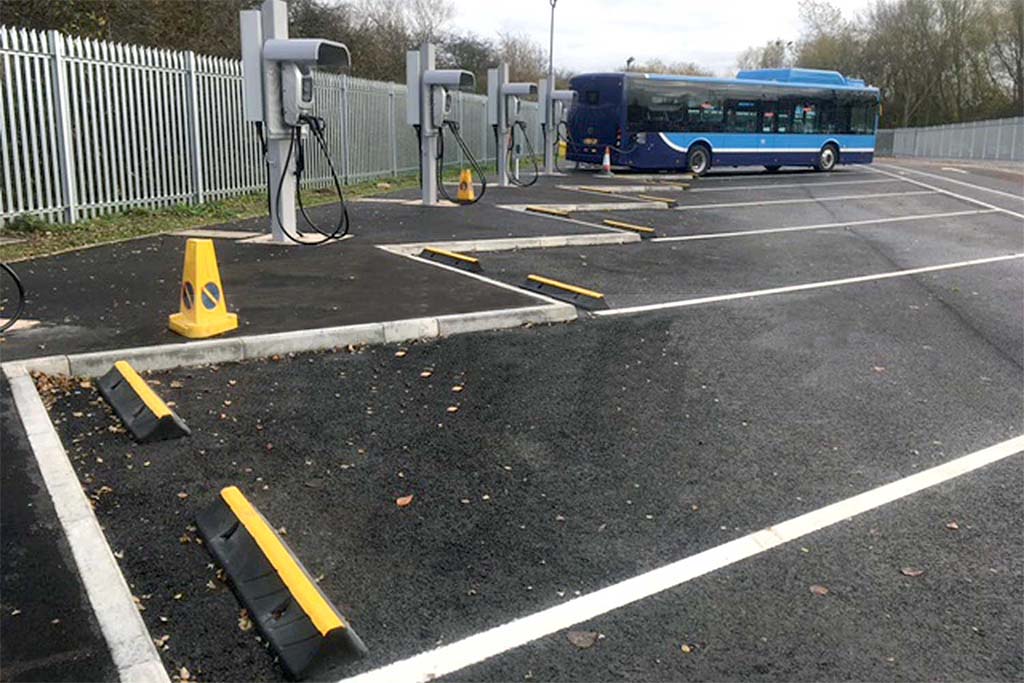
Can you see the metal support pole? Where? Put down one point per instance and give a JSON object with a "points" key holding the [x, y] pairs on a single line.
{"points": [[195, 147], [282, 165], [62, 111], [547, 101], [428, 134]]}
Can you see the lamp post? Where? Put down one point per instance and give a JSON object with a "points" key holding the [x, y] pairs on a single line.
{"points": [[549, 103]]}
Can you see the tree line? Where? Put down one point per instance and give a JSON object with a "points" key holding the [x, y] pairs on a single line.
{"points": [[935, 61], [377, 32]]}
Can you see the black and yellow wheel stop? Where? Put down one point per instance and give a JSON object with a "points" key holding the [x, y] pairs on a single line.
{"points": [[577, 296], [143, 413], [668, 200], [644, 231], [548, 210], [305, 630], [452, 258]]}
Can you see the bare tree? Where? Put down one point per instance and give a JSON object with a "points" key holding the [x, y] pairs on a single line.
{"points": [[772, 55], [525, 57], [656, 66]]}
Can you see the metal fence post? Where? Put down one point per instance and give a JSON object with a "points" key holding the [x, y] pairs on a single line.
{"points": [[62, 114], [346, 173], [392, 137], [194, 138]]}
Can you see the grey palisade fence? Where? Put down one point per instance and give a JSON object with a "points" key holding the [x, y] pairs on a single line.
{"points": [[88, 127]]}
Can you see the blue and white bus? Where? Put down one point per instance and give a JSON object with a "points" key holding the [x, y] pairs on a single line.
{"points": [[764, 117]]}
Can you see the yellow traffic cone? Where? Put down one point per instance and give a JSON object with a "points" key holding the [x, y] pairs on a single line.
{"points": [[203, 312], [466, 193]]}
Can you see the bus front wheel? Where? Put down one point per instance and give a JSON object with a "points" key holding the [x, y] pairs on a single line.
{"points": [[698, 160], [772, 168], [827, 158]]}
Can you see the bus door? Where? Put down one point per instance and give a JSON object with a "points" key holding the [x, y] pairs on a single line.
{"points": [[769, 121]]}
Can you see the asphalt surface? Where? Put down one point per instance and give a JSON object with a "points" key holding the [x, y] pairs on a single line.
{"points": [[580, 455], [49, 630]]}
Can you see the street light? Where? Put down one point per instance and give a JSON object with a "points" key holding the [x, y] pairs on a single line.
{"points": [[551, 49]]}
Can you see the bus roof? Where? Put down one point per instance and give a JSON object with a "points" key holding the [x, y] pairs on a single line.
{"points": [[807, 78]]}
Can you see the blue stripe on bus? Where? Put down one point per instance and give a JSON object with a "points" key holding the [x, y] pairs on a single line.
{"points": [[768, 143]]}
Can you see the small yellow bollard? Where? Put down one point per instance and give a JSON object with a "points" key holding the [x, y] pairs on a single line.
{"points": [[203, 311], [466, 193], [563, 147]]}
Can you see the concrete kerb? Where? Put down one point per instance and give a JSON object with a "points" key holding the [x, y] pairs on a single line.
{"points": [[513, 243]]}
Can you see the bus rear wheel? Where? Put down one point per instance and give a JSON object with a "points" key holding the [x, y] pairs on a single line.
{"points": [[772, 168], [827, 158], [698, 160]]}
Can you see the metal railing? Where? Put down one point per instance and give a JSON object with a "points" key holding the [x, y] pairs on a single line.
{"points": [[993, 140], [88, 127]]}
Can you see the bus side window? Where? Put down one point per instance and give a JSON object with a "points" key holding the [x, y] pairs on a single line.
{"points": [[782, 121], [768, 117]]}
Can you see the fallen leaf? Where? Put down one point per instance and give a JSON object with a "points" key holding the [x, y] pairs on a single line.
{"points": [[175, 384], [912, 572], [686, 649], [426, 373], [819, 590], [453, 409], [182, 495], [404, 501], [162, 640], [953, 525], [400, 354], [244, 622], [183, 674], [582, 639], [457, 388], [878, 369]]}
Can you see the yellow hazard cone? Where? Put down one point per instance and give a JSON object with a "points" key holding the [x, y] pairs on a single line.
{"points": [[466, 193], [203, 312]]}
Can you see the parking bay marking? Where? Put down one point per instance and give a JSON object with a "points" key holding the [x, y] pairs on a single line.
{"points": [[482, 646], [961, 197], [645, 308], [805, 200], [820, 226]]}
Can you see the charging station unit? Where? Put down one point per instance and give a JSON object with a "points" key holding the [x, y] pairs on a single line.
{"points": [[278, 97], [504, 113], [429, 110], [556, 104]]}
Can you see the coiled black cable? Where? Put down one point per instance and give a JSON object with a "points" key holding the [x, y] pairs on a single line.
{"points": [[20, 308], [529, 147], [454, 127], [315, 124]]}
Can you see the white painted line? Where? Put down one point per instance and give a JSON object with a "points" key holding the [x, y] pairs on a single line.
{"points": [[495, 641], [128, 640], [954, 170], [982, 188], [803, 200], [773, 186], [475, 276], [820, 226], [800, 288]]}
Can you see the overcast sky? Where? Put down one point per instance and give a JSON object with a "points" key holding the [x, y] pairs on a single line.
{"points": [[598, 35]]}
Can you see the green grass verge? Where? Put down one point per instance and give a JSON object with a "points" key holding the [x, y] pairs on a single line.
{"points": [[42, 238]]}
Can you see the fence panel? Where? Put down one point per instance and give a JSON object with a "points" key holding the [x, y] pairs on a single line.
{"points": [[996, 140]]}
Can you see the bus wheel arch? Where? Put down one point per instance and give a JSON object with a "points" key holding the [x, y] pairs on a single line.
{"points": [[698, 158], [828, 157]]}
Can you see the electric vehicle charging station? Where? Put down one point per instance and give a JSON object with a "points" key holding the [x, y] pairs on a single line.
{"points": [[278, 98], [504, 113], [556, 104], [429, 108]]}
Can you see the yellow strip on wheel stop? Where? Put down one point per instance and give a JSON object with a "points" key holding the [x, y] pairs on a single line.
{"points": [[452, 254], [302, 588], [544, 209], [567, 287], [155, 404], [628, 226]]}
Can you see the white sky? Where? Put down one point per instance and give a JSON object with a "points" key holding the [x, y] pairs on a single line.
{"points": [[598, 35]]}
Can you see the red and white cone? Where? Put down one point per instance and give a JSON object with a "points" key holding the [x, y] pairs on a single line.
{"points": [[606, 162]]}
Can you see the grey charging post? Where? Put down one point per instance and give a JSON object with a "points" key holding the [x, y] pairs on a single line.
{"points": [[278, 91], [555, 103], [429, 106], [504, 111]]}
